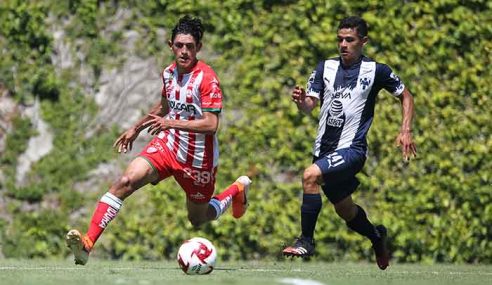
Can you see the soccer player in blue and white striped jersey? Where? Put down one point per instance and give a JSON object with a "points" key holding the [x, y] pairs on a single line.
{"points": [[346, 88]]}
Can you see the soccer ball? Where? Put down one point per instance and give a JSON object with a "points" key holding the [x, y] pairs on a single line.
{"points": [[197, 256]]}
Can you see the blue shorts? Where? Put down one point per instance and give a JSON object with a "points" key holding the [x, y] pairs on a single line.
{"points": [[339, 169]]}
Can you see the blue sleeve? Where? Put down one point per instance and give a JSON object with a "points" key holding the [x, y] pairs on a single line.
{"points": [[315, 85], [385, 78]]}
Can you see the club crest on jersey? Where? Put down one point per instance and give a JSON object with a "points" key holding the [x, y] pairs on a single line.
{"points": [[365, 82], [335, 118], [151, 149]]}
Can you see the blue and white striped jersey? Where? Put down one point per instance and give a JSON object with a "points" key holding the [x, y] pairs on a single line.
{"points": [[347, 97]]}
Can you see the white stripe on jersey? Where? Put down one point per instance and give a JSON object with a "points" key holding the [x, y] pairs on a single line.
{"points": [[184, 139], [357, 104], [199, 150], [329, 75]]}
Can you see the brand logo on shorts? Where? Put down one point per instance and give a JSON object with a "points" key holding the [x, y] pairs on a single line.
{"points": [[334, 159], [197, 196]]}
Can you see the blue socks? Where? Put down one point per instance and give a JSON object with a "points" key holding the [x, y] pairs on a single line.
{"points": [[361, 225], [311, 206]]}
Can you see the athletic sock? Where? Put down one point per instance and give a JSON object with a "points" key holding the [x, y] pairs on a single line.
{"points": [[310, 208], [106, 210], [363, 226], [223, 201]]}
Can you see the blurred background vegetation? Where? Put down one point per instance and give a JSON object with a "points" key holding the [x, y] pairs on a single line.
{"points": [[438, 207]]}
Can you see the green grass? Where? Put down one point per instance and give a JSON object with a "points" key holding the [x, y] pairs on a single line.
{"points": [[294, 272]]}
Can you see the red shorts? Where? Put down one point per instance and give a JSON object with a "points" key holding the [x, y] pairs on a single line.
{"points": [[198, 183]]}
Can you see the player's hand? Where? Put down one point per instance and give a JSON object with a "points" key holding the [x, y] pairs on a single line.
{"points": [[125, 142], [408, 148], [298, 95], [157, 124]]}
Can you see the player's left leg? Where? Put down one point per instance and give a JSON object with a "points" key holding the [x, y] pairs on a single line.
{"points": [[199, 212], [137, 174], [356, 219], [340, 182]]}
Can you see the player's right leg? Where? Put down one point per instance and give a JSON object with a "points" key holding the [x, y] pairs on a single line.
{"points": [[200, 211], [240, 200], [138, 174], [311, 206], [236, 195]]}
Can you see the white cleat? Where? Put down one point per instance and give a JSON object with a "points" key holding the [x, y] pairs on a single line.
{"points": [[240, 201], [75, 242]]}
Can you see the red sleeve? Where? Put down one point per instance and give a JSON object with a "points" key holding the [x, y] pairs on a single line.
{"points": [[210, 93]]}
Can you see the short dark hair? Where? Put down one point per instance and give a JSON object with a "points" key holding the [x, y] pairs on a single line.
{"points": [[354, 22], [188, 26]]}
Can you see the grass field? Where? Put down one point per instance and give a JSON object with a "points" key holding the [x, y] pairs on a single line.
{"points": [[296, 272]]}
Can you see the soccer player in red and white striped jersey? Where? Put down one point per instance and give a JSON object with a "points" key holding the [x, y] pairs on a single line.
{"points": [[185, 146]]}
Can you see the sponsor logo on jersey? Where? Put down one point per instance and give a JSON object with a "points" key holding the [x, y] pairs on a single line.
{"points": [[327, 81], [400, 88], [336, 114], [311, 80], [395, 77], [342, 94], [178, 106], [215, 95]]}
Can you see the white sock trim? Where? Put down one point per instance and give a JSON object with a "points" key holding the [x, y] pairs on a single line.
{"points": [[112, 200]]}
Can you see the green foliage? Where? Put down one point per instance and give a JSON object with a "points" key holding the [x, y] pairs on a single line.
{"points": [[437, 207], [16, 144], [34, 235], [25, 67]]}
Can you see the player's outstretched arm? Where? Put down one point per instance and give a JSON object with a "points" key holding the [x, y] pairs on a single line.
{"points": [[404, 138], [304, 103], [124, 143]]}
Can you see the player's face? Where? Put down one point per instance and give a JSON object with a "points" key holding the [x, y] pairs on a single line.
{"points": [[185, 49], [350, 45]]}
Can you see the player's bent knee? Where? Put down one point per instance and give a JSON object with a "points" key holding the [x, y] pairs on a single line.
{"points": [[122, 187], [310, 180], [124, 182]]}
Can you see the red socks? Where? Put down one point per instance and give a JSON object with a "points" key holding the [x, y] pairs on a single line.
{"points": [[223, 201], [106, 210]]}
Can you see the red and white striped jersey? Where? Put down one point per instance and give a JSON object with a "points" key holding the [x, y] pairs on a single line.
{"points": [[188, 96]]}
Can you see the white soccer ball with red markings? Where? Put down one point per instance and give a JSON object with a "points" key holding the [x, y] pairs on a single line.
{"points": [[197, 256]]}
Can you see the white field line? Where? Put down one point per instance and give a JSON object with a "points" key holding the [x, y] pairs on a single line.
{"points": [[298, 281]]}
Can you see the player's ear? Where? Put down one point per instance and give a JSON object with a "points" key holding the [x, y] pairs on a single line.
{"points": [[198, 46], [170, 43], [365, 40]]}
